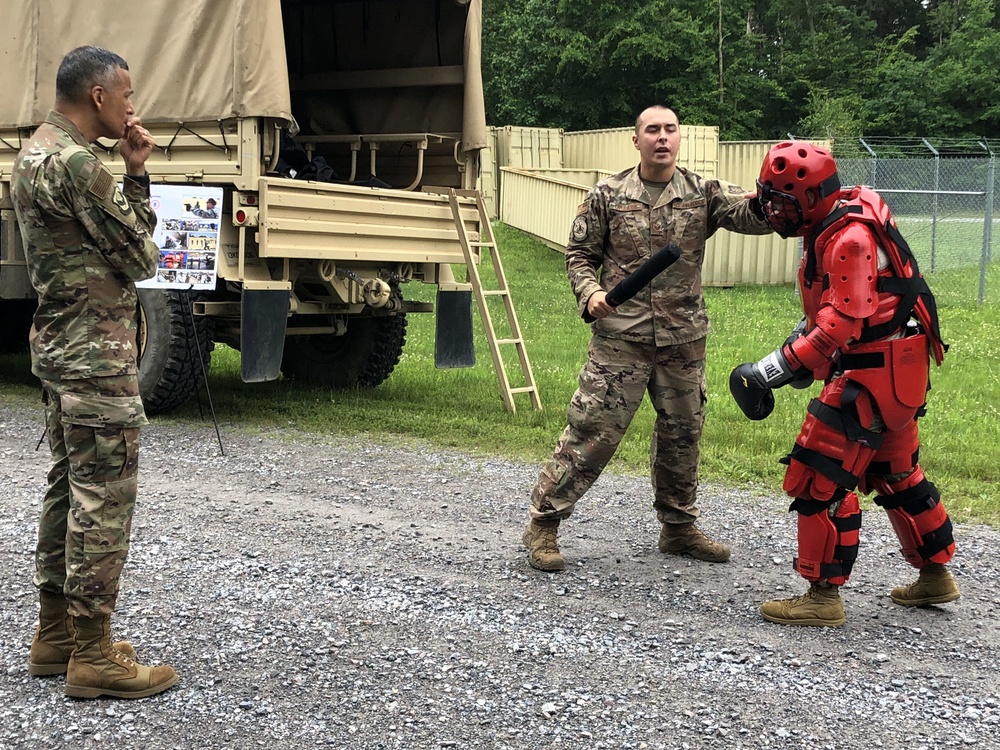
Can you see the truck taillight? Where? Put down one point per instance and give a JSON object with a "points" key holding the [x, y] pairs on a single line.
{"points": [[245, 217]]}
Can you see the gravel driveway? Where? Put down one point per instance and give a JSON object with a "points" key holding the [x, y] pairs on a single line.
{"points": [[339, 592]]}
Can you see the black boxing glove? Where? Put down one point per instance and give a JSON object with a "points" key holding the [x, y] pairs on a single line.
{"points": [[752, 384]]}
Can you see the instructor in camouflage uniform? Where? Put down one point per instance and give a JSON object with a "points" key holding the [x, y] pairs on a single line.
{"points": [[653, 343], [86, 241]]}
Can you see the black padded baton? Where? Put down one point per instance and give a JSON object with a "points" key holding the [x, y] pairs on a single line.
{"points": [[628, 287]]}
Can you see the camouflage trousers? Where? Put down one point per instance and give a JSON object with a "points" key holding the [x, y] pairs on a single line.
{"points": [[612, 383], [86, 519]]}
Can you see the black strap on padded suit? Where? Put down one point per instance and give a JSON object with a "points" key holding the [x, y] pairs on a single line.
{"points": [[856, 432], [924, 291], [846, 420], [862, 361], [910, 290], [828, 467], [936, 541], [915, 500], [884, 468]]}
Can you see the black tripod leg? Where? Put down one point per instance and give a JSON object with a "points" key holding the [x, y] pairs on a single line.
{"points": [[191, 329]]}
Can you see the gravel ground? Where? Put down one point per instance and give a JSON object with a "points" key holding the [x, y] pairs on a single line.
{"points": [[354, 594]]}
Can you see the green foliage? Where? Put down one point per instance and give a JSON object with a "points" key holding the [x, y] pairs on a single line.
{"points": [[756, 68]]}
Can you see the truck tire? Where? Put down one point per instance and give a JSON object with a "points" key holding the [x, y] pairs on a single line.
{"points": [[364, 356], [15, 324], [169, 371]]}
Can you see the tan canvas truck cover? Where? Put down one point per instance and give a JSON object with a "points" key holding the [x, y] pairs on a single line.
{"points": [[387, 92], [197, 60]]}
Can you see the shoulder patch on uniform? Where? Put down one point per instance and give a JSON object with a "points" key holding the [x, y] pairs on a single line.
{"points": [[120, 201], [89, 172], [580, 228], [102, 185], [583, 208]]}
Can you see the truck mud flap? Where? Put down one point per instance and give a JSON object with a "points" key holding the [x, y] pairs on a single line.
{"points": [[264, 315], [453, 345]]}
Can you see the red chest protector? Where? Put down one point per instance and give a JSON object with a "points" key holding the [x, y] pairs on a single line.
{"points": [[902, 278]]}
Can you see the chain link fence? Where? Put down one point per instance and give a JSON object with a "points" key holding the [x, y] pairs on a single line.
{"points": [[945, 207]]}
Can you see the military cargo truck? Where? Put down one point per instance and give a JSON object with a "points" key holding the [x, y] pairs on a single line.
{"points": [[330, 126]]}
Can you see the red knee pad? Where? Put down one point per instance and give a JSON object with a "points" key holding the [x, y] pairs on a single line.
{"points": [[828, 546], [919, 520]]}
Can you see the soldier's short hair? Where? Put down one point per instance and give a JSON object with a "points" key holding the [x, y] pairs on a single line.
{"points": [[83, 68], [655, 105]]}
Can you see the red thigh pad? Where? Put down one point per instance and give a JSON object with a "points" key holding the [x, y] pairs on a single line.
{"points": [[824, 458]]}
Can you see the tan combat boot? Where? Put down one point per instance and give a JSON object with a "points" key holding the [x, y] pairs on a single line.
{"points": [[53, 641], [934, 585], [688, 539], [97, 668], [820, 606], [543, 551]]}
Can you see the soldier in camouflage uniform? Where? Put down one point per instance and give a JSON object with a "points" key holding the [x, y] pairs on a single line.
{"points": [[86, 242], [653, 343]]}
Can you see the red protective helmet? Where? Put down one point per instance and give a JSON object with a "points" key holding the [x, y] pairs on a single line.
{"points": [[798, 187]]}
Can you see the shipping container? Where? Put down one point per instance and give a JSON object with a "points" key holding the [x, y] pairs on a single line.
{"points": [[612, 149]]}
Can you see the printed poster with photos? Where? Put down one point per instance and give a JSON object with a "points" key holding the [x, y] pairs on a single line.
{"points": [[187, 233]]}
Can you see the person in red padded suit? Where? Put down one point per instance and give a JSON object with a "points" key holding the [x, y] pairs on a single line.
{"points": [[869, 331]]}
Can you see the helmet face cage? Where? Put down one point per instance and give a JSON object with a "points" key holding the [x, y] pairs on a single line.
{"points": [[781, 210]]}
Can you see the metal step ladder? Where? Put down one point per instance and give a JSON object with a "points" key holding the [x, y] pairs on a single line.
{"points": [[487, 241]]}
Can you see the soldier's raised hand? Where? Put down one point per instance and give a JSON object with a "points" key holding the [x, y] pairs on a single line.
{"points": [[136, 146]]}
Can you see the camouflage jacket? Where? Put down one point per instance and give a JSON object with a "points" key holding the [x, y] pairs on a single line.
{"points": [[86, 244], [617, 228]]}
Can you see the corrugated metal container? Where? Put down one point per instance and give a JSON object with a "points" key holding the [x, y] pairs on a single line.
{"points": [[585, 177], [541, 206], [529, 148], [488, 182], [613, 150], [741, 259], [543, 203], [732, 259]]}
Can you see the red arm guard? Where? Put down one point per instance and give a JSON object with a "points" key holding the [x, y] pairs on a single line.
{"points": [[831, 331]]}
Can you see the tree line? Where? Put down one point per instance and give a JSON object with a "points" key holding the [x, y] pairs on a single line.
{"points": [[758, 69]]}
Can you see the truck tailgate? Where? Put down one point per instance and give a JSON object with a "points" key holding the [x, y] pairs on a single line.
{"points": [[302, 219]]}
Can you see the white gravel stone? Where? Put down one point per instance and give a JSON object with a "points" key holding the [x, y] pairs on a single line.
{"points": [[333, 592]]}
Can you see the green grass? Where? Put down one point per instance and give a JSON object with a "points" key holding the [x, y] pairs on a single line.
{"points": [[463, 409]]}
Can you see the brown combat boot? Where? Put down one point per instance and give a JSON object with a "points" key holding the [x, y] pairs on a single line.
{"points": [[688, 539], [543, 551], [820, 606], [97, 668], [53, 642], [934, 585]]}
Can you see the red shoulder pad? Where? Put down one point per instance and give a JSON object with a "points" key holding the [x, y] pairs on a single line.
{"points": [[850, 260]]}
